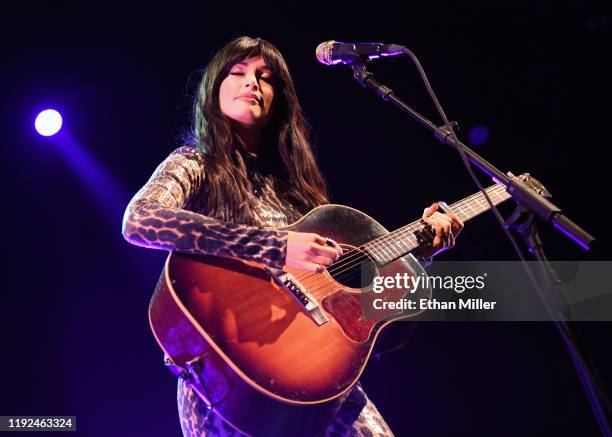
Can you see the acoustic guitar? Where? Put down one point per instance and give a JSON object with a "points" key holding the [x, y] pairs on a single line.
{"points": [[275, 352]]}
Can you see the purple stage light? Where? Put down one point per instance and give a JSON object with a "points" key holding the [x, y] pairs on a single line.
{"points": [[478, 135], [48, 122]]}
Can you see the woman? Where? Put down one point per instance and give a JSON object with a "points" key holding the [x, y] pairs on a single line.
{"points": [[251, 170]]}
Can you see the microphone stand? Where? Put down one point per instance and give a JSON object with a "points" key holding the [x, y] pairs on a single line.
{"points": [[554, 288], [528, 201], [541, 207]]}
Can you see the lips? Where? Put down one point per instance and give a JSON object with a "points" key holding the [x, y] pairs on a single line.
{"points": [[250, 97]]}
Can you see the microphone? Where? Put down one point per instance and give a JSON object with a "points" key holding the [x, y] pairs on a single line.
{"points": [[335, 52]]}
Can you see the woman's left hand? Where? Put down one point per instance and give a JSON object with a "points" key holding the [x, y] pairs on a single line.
{"points": [[446, 227]]}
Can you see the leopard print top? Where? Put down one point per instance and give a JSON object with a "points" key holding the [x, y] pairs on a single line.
{"points": [[168, 213]]}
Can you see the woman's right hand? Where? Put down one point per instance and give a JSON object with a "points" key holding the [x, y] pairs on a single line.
{"points": [[311, 252]]}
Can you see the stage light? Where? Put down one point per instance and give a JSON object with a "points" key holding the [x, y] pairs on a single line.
{"points": [[478, 135], [48, 122]]}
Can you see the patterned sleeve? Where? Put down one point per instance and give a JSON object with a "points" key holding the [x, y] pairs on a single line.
{"points": [[155, 218]]}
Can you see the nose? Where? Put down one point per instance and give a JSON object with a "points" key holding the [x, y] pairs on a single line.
{"points": [[251, 81]]}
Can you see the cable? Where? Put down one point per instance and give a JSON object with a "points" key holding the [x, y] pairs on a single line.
{"points": [[584, 372]]}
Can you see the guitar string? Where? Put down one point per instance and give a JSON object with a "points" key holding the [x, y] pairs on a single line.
{"points": [[406, 230], [321, 283], [377, 243], [343, 275], [462, 207], [458, 207]]}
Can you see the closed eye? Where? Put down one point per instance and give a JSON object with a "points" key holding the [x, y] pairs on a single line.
{"points": [[269, 78]]}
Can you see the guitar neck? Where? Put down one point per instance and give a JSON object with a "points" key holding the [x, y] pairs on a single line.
{"points": [[410, 237]]}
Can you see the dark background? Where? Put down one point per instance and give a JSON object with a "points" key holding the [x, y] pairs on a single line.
{"points": [[76, 339]]}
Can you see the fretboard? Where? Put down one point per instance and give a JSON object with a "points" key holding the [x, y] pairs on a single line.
{"points": [[404, 240]]}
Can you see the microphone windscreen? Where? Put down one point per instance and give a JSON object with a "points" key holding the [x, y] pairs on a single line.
{"points": [[324, 52]]}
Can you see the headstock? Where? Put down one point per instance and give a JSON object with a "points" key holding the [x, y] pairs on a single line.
{"points": [[534, 184]]}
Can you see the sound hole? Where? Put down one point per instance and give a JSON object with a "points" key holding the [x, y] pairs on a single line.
{"points": [[353, 269]]}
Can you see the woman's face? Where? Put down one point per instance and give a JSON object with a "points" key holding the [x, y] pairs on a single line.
{"points": [[246, 93]]}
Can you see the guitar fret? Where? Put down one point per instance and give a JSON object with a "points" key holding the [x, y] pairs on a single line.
{"points": [[393, 244], [388, 247], [387, 253], [402, 241], [374, 252]]}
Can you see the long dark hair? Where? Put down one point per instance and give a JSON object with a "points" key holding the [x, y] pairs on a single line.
{"points": [[285, 150]]}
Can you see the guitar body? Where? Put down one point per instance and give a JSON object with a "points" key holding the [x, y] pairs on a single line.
{"points": [[259, 358]]}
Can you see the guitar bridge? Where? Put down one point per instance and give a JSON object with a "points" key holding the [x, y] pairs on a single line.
{"points": [[290, 284]]}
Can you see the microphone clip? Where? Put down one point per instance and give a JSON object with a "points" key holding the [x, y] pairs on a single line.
{"points": [[366, 79]]}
